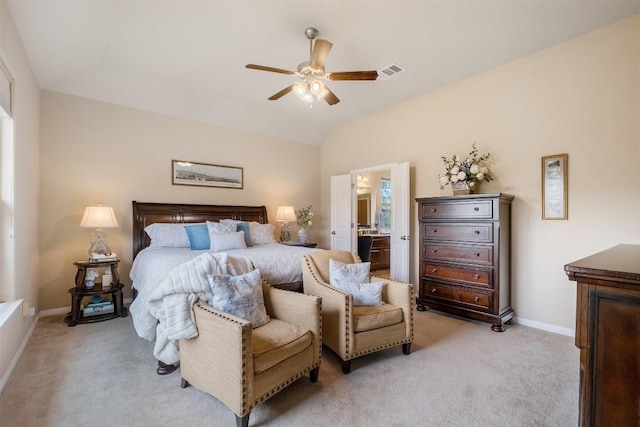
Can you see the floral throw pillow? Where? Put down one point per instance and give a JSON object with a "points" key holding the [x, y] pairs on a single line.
{"points": [[364, 293], [339, 272], [240, 296], [261, 233]]}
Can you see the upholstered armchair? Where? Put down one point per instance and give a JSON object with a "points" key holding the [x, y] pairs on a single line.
{"points": [[242, 366], [353, 331]]}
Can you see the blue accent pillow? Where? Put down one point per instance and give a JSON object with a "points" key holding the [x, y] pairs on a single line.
{"points": [[198, 236], [244, 226]]}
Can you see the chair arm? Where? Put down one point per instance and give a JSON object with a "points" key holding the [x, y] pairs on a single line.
{"points": [[336, 313], [299, 309], [218, 359], [400, 294]]}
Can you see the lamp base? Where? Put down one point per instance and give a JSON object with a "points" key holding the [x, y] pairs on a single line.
{"points": [[285, 233], [99, 243]]}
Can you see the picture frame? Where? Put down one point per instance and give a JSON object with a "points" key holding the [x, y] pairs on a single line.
{"points": [[555, 187], [206, 175]]}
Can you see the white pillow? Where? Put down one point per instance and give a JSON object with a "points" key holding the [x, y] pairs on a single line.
{"points": [[339, 272], [364, 293], [219, 227], [168, 235], [227, 241], [261, 233], [240, 296]]}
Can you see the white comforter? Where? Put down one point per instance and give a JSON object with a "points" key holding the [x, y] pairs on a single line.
{"points": [[166, 311]]}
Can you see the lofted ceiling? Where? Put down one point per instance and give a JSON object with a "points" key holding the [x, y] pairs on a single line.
{"points": [[187, 58]]}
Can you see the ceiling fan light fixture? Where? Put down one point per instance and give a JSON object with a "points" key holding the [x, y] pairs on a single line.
{"points": [[316, 87], [303, 92]]}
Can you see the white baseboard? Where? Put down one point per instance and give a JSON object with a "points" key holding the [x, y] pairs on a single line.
{"points": [[16, 357], [545, 327], [65, 310]]}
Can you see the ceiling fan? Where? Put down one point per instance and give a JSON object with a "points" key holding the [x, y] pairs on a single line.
{"points": [[313, 75]]}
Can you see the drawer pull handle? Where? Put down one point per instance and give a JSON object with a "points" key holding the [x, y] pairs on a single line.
{"points": [[435, 230], [477, 254], [434, 250], [433, 209], [433, 291], [477, 231], [476, 276], [435, 270], [476, 299], [476, 209]]}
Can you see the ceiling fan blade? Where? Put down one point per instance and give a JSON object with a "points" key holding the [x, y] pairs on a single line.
{"points": [[282, 93], [353, 75], [273, 70], [330, 97], [321, 49]]}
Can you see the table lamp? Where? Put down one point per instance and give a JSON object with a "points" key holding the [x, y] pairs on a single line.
{"points": [[285, 214], [99, 217]]}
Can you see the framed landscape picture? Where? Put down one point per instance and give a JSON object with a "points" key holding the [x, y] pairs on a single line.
{"points": [[554, 187], [206, 175]]}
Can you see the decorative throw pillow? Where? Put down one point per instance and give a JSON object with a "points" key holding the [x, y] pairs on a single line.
{"points": [[339, 272], [364, 293], [219, 227], [240, 296], [198, 236], [168, 235], [227, 241], [261, 233], [240, 226]]}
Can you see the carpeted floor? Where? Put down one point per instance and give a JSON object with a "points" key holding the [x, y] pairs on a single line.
{"points": [[459, 373]]}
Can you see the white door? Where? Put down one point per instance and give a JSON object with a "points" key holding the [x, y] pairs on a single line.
{"points": [[341, 213], [400, 215]]}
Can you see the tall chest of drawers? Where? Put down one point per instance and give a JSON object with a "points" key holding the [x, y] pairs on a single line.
{"points": [[465, 256]]}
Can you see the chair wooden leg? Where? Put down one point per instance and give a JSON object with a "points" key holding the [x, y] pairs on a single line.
{"points": [[346, 366], [406, 348], [243, 421], [313, 374], [184, 383]]}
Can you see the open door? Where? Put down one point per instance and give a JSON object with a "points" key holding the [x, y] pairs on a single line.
{"points": [[400, 216], [341, 213]]}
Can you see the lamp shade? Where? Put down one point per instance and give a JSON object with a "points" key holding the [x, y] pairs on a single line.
{"points": [[285, 214], [99, 217]]}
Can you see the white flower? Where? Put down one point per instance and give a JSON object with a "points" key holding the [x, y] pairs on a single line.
{"points": [[484, 170], [454, 170], [310, 222], [462, 176], [480, 176], [444, 180], [454, 178], [474, 169]]}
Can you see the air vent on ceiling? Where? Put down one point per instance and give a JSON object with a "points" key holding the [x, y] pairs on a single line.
{"points": [[389, 71]]}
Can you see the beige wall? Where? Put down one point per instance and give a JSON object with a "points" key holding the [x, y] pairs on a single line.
{"points": [[581, 97], [25, 270], [97, 152]]}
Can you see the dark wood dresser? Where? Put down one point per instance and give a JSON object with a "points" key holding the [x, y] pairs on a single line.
{"points": [[465, 256], [380, 253], [608, 335]]}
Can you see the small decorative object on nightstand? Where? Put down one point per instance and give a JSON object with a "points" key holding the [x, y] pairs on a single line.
{"points": [[96, 309]]}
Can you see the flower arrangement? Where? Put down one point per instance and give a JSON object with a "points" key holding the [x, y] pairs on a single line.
{"points": [[303, 217], [465, 170]]}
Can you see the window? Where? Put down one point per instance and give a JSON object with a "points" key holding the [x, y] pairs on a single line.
{"points": [[384, 222]]}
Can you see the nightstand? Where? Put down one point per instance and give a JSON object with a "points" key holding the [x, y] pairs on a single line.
{"points": [[80, 292], [306, 245]]}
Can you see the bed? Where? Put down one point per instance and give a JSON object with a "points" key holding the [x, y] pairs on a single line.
{"points": [[279, 265]]}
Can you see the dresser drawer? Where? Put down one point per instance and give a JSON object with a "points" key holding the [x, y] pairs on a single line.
{"points": [[472, 233], [472, 276], [467, 297], [459, 253], [481, 209]]}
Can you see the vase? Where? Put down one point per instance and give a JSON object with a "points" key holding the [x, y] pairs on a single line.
{"points": [[465, 187], [302, 235]]}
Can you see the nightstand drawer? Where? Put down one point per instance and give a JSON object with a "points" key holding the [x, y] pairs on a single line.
{"points": [[437, 291], [472, 276], [445, 252], [472, 233], [471, 209]]}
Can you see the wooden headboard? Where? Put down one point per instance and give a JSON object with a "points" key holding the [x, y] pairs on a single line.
{"points": [[150, 213]]}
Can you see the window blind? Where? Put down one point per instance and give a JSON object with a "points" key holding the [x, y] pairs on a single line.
{"points": [[6, 88]]}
